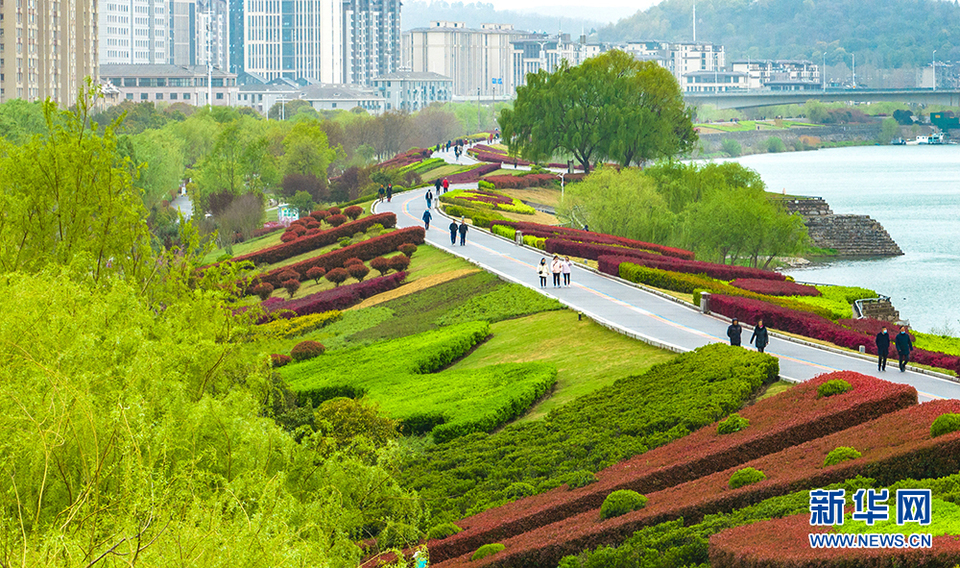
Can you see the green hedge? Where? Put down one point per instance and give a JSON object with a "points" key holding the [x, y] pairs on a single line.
{"points": [[504, 302], [504, 231], [594, 431]]}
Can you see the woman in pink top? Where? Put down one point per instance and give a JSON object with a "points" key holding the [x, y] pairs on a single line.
{"points": [[566, 266], [556, 267]]}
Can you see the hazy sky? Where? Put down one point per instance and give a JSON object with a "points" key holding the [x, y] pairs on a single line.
{"points": [[602, 10]]}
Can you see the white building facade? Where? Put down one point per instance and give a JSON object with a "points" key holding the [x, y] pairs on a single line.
{"points": [[782, 74], [140, 83], [294, 39], [133, 31], [371, 40], [410, 92], [541, 51]]}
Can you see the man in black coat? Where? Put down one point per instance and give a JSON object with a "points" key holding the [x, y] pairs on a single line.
{"points": [[463, 232], [904, 347], [453, 232], [760, 336], [883, 349], [734, 331]]}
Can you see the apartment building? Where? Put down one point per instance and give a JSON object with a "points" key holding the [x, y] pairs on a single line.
{"points": [[542, 51], [410, 91], [47, 49], [371, 40], [172, 83], [779, 74], [295, 39]]}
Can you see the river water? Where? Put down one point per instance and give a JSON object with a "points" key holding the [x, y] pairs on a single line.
{"points": [[914, 192]]}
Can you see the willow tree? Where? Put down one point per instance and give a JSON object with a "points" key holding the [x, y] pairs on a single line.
{"points": [[609, 107]]}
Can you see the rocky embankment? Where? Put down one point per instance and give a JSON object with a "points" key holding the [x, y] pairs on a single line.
{"points": [[849, 235]]}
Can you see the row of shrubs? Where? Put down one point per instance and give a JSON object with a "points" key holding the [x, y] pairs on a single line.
{"points": [[473, 174], [697, 283], [365, 250], [893, 446], [811, 325], [310, 225], [486, 199], [479, 217], [724, 272], [335, 299], [774, 287], [411, 156], [593, 432], [287, 327], [775, 423], [307, 243], [588, 237]]}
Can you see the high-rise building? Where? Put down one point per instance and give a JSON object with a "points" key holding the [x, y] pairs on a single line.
{"points": [[295, 39], [47, 49], [371, 39], [133, 31], [236, 11], [542, 51], [213, 34], [473, 58]]}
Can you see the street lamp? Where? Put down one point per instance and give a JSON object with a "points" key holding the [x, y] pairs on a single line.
{"points": [[478, 109], [823, 72], [854, 70], [933, 64]]}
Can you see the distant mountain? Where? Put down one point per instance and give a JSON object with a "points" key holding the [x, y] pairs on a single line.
{"points": [[883, 33], [417, 14]]}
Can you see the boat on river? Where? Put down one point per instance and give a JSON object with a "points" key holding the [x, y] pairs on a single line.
{"points": [[933, 139]]}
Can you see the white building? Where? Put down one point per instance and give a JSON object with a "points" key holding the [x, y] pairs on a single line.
{"points": [[683, 58], [321, 97], [410, 91], [295, 39], [783, 74], [541, 51], [133, 31], [713, 81], [371, 39], [171, 83], [473, 58]]}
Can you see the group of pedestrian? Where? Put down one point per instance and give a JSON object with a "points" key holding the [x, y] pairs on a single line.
{"points": [[460, 229], [901, 342], [760, 336], [558, 267], [385, 192], [442, 186]]}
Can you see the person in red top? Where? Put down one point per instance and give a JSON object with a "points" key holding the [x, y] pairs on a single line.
{"points": [[446, 185]]}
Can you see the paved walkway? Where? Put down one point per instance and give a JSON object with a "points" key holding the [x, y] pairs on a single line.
{"points": [[641, 314]]}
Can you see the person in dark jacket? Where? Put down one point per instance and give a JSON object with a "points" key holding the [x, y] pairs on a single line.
{"points": [[429, 197], [883, 349], [453, 232], [427, 217], [463, 232], [904, 347], [389, 192], [760, 337], [437, 184], [380, 193], [734, 331]]}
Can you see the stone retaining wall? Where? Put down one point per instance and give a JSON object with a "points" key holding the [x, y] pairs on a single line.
{"points": [[849, 235]]}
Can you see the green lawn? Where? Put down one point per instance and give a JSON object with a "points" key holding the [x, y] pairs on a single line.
{"points": [[587, 355]]}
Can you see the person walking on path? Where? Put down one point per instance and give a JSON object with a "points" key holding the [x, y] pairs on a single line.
{"points": [[437, 186], [463, 231], [760, 336], [446, 185], [543, 270], [556, 267], [734, 331], [429, 198], [566, 268], [883, 349], [427, 217], [380, 193], [389, 192], [904, 347], [453, 233]]}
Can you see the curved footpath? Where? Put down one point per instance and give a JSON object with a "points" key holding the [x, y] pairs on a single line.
{"points": [[644, 315]]}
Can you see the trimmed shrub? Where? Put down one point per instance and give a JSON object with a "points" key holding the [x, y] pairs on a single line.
{"points": [[306, 350], [337, 299], [358, 271], [288, 237], [945, 424], [484, 184], [580, 478], [621, 502], [353, 212], [320, 215], [263, 290], [294, 326], [316, 396], [338, 276], [732, 423], [408, 249], [352, 260], [421, 423], [380, 264], [504, 231], [841, 454], [487, 550], [334, 211], [588, 237], [336, 220], [277, 360], [518, 490], [774, 287], [399, 262], [833, 387], [345, 242], [315, 273], [291, 286], [443, 530], [746, 476], [287, 274]]}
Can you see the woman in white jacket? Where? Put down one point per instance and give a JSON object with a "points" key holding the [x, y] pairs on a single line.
{"points": [[543, 270]]}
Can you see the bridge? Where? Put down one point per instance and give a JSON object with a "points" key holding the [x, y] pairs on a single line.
{"points": [[760, 98]]}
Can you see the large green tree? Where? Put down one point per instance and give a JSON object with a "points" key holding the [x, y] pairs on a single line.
{"points": [[609, 107]]}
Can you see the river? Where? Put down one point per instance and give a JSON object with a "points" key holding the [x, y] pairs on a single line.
{"points": [[914, 192]]}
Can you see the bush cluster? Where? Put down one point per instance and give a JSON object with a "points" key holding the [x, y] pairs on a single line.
{"points": [[306, 350], [283, 328], [732, 423], [746, 476], [443, 530], [487, 550], [774, 287], [338, 298], [621, 502], [278, 360], [839, 455], [588, 237], [833, 387], [945, 424]]}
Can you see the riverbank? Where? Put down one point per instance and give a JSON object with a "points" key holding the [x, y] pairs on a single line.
{"points": [[794, 139]]}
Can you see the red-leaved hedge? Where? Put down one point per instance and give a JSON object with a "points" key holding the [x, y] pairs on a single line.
{"points": [[872, 326], [364, 250], [283, 251], [405, 159], [610, 264], [578, 235], [790, 418], [521, 182], [337, 299], [473, 175], [893, 446], [816, 327], [783, 543], [774, 287]]}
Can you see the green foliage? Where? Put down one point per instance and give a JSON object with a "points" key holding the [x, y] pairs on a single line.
{"points": [[746, 476], [732, 423], [535, 242], [487, 550], [504, 231], [302, 202], [519, 490], [443, 530], [608, 107], [945, 424], [593, 432], [946, 343], [731, 147], [775, 145], [580, 478], [840, 454], [484, 184], [621, 502], [833, 387], [504, 302], [343, 420], [830, 308], [845, 294]]}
